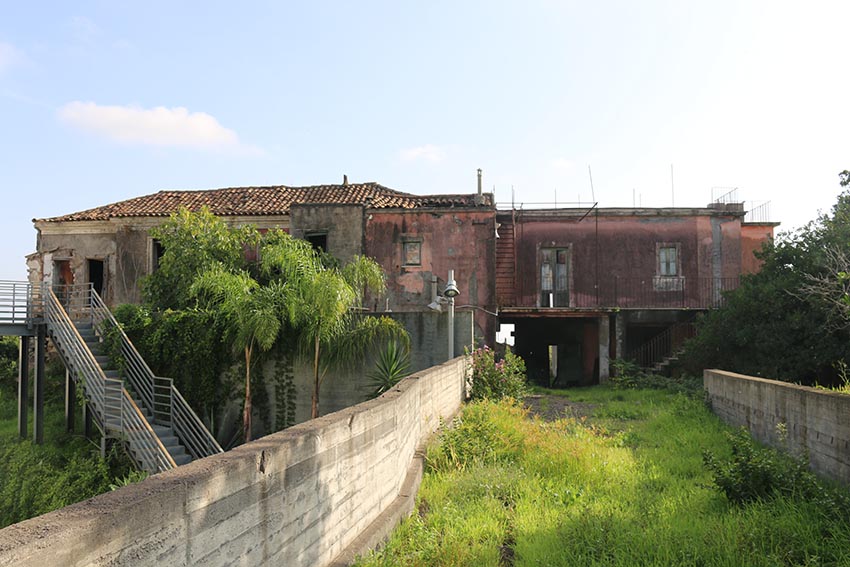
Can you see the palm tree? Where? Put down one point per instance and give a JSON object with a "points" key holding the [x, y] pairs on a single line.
{"points": [[324, 308], [254, 312]]}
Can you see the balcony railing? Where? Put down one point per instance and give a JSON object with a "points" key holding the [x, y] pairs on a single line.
{"points": [[654, 292]]}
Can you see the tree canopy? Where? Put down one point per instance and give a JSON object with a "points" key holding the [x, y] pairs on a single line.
{"points": [[257, 291], [192, 243], [774, 325]]}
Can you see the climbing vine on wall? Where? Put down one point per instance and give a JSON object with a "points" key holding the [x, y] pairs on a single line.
{"points": [[284, 392], [187, 346]]}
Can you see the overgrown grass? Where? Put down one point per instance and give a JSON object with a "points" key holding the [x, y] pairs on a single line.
{"points": [[625, 486], [35, 479]]}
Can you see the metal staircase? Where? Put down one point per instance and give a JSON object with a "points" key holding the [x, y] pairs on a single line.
{"points": [[658, 352], [129, 403], [506, 263]]}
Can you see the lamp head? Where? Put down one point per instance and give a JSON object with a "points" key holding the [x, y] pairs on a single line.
{"points": [[451, 290]]}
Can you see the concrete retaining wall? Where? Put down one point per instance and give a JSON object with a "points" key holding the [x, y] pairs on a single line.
{"points": [[297, 497], [815, 421]]}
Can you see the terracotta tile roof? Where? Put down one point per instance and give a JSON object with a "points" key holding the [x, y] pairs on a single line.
{"points": [[277, 200]]}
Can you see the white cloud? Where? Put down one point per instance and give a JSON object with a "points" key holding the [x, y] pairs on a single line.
{"points": [[159, 126], [428, 152], [9, 56]]}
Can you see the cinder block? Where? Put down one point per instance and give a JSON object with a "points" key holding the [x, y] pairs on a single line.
{"points": [[815, 419]]}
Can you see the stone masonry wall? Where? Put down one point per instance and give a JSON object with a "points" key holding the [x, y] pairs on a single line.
{"points": [[296, 497], [815, 420]]}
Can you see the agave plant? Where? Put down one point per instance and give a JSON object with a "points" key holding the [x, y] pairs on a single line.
{"points": [[392, 365]]}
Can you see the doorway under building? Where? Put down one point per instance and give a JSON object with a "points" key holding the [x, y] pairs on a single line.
{"points": [[559, 352]]}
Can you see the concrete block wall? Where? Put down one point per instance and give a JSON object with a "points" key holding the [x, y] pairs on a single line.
{"points": [[296, 497], [815, 421]]}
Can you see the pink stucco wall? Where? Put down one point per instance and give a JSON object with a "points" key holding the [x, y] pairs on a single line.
{"points": [[623, 248], [462, 240]]}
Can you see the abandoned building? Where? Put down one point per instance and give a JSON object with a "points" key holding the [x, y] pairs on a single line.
{"points": [[416, 239], [579, 286], [583, 286]]}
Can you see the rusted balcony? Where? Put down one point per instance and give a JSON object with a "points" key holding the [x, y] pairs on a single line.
{"points": [[653, 292]]}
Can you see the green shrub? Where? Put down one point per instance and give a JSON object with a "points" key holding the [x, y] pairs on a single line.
{"points": [[8, 362], [188, 346], [392, 365], [131, 477], [492, 380], [628, 375], [39, 478], [754, 473], [481, 435]]}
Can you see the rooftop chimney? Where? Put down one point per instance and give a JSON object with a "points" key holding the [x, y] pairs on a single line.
{"points": [[480, 197], [345, 180]]}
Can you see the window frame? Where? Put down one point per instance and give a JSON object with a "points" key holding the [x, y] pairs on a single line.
{"points": [[410, 241], [155, 252], [677, 260], [561, 297]]}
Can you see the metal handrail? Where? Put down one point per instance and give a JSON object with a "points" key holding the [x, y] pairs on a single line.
{"points": [[20, 302], [663, 345], [158, 395], [77, 357], [195, 436], [116, 410], [135, 368], [143, 439]]}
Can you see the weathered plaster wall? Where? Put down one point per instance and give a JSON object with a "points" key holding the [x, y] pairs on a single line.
{"points": [[132, 262], [731, 247], [342, 223], [122, 246], [815, 421], [452, 239], [625, 249], [77, 248], [753, 237], [298, 497]]}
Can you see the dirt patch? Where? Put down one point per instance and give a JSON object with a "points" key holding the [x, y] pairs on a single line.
{"points": [[551, 408]]}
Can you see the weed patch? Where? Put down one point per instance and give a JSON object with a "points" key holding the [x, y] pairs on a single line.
{"points": [[35, 479], [627, 486], [754, 472]]}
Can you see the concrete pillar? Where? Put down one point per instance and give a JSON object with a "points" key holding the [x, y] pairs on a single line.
{"points": [[70, 401], [620, 334], [604, 342], [23, 385], [38, 388]]}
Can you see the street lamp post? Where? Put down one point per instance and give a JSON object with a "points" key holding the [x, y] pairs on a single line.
{"points": [[451, 292]]}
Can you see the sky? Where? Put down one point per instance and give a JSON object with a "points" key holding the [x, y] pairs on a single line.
{"points": [[660, 103]]}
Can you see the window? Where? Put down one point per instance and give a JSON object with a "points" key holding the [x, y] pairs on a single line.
{"points": [[668, 261], [412, 252], [668, 267], [157, 251], [554, 289], [319, 240]]}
